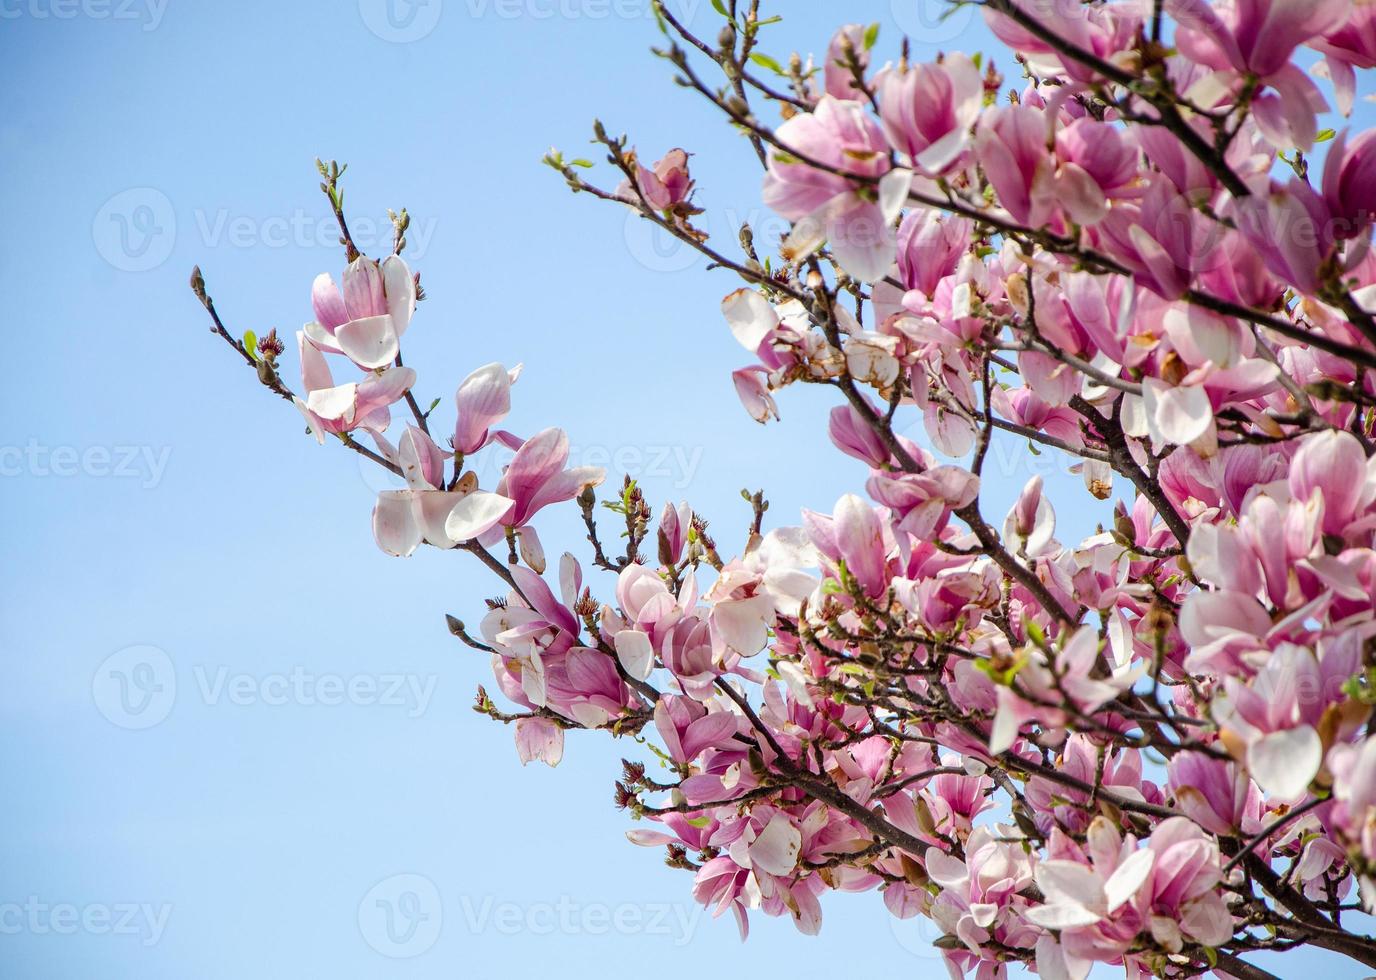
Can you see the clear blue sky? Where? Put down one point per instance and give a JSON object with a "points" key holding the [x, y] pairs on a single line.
{"points": [[155, 497]]}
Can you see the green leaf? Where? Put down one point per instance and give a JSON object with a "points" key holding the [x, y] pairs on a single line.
{"points": [[871, 35], [580, 162], [765, 61], [251, 344], [1324, 136], [720, 8]]}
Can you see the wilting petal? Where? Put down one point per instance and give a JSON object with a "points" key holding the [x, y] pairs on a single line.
{"points": [[539, 738], [775, 850], [754, 394]]}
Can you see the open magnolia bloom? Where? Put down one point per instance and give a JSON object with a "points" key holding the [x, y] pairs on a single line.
{"points": [[1081, 662], [425, 512], [366, 319], [329, 408]]}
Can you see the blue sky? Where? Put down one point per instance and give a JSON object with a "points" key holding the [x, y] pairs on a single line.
{"points": [[314, 766]]}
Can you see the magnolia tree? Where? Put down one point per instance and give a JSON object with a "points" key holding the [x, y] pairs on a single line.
{"points": [[1151, 747]]}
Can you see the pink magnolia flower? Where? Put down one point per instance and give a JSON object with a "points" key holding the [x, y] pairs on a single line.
{"points": [[336, 409], [837, 75], [1098, 162], [584, 685], [1293, 230], [1047, 682], [366, 320], [1214, 793], [1352, 45], [665, 187], [1056, 805], [853, 436], [1105, 30], [688, 729], [675, 525], [1024, 406], [743, 610], [1031, 524], [1333, 465], [979, 898], [427, 512], [1256, 36], [1354, 789], [1276, 715], [1011, 143], [929, 109], [647, 604], [923, 502], [859, 540], [854, 215], [1100, 901], [1164, 240], [483, 400], [930, 246], [536, 476], [955, 800], [1349, 183]]}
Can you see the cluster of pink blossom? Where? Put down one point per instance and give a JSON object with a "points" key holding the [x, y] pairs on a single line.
{"points": [[1151, 747]]}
